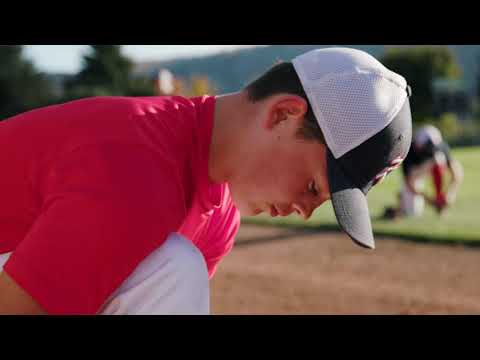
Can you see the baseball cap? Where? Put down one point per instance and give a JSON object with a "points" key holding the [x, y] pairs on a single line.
{"points": [[363, 110]]}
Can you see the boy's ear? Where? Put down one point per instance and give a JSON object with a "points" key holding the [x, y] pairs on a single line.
{"points": [[285, 107]]}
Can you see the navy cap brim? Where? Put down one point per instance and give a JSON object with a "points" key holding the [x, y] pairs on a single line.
{"points": [[350, 205], [348, 192]]}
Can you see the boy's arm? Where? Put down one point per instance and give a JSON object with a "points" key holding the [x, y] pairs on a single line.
{"points": [[15, 300], [106, 207]]}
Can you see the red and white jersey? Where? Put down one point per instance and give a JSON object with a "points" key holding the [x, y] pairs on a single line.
{"points": [[91, 187]]}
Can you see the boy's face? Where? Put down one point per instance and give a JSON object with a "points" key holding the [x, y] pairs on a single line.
{"points": [[281, 174]]}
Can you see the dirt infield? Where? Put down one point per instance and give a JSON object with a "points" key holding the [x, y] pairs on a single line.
{"points": [[284, 271]]}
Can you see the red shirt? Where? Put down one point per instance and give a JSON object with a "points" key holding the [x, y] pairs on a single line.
{"points": [[91, 187]]}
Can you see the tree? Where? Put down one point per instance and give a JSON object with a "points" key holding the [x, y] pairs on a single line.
{"points": [[421, 66], [200, 85], [22, 87], [106, 72], [477, 80]]}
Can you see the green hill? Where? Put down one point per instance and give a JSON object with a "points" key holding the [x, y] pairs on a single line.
{"points": [[231, 71]]}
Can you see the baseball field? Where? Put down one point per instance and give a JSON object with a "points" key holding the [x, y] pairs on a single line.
{"points": [[421, 266], [458, 225]]}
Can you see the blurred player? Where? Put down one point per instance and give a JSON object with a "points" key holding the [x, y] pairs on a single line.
{"points": [[429, 158]]}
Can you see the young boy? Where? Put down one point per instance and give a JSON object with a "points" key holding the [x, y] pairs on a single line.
{"points": [[117, 205]]}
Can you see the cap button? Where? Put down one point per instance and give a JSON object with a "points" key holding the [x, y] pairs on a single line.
{"points": [[409, 91]]}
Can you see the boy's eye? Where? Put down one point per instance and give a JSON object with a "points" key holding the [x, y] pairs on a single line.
{"points": [[312, 188]]}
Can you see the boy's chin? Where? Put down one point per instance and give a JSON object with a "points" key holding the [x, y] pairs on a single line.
{"points": [[247, 209], [252, 211], [255, 212]]}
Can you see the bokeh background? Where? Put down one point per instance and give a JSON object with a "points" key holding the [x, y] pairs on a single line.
{"points": [[422, 265]]}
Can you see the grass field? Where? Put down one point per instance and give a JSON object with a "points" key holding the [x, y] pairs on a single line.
{"points": [[460, 224]]}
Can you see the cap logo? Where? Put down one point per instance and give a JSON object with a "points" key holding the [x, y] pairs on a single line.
{"points": [[395, 163]]}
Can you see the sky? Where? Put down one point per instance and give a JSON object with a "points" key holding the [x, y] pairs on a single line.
{"points": [[68, 58]]}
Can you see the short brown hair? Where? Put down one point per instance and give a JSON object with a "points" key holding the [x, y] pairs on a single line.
{"points": [[282, 78]]}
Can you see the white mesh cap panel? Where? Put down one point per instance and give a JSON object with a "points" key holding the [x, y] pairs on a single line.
{"points": [[354, 107], [353, 95], [318, 63]]}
